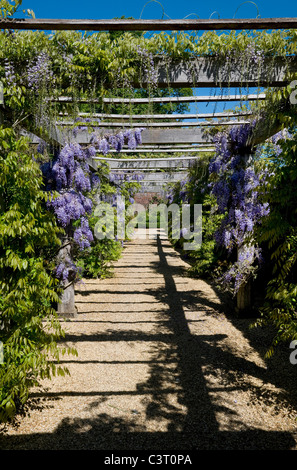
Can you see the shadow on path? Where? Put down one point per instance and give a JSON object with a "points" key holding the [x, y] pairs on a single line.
{"points": [[176, 392]]}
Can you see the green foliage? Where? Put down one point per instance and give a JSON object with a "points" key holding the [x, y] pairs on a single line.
{"points": [[104, 64], [28, 293], [96, 262], [278, 234], [9, 8], [208, 257]]}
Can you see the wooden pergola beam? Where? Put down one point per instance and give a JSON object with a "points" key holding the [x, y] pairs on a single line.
{"points": [[214, 72], [54, 137], [164, 147], [148, 25], [138, 170], [166, 99], [152, 188], [148, 117], [141, 164], [160, 124], [150, 136], [167, 150], [163, 177]]}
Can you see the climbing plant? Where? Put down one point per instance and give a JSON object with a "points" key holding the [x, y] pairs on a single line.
{"points": [[29, 292], [277, 234]]}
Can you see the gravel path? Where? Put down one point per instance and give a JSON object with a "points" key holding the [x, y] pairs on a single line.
{"points": [[160, 366]]}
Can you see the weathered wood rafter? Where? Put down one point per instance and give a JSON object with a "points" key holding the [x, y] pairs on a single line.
{"points": [[151, 136], [153, 187], [149, 117], [161, 124], [213, 72], [164, 99], [187, 24], [163, 177], [147, 163], [194, 150]]}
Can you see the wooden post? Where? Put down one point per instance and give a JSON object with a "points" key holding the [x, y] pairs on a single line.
{"points": [[243, 297], [66, 307]]}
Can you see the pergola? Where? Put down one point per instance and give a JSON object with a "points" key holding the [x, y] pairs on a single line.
{"points": [[183, 137]]}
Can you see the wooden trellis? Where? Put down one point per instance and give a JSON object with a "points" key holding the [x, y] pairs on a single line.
{"points": [[181, 136]]}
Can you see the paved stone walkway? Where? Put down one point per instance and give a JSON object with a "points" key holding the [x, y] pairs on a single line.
{"points": [[159, 366]]}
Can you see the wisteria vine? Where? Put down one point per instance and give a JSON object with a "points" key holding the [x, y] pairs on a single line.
{"points": [[235, 185], [69, 180]]}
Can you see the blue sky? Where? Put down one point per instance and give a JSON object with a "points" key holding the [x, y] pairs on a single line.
{"points": [[96, 9]]}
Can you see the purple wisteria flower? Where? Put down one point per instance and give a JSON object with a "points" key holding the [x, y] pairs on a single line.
{"points": [[9, 73], [83, 235], [62, 272], [71, 177], [39, 72], [148, 66], [68, 180], [235, 186], [130, 137]]}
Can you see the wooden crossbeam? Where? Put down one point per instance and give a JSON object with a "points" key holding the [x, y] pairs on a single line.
{"points": [[188, 99], [166, 99], [162, 148], [213, 72], [149, 117], [161, 124], [163, 177], [157, 177], [168, 150], [147, 25], [150, 136], [136, 170], [146, 163], [54, 137], [153, 188]]}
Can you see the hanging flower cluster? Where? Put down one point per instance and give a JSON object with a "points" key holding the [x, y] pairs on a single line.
{"points": [[70, 176], [169, 195], [254, 53], [40, 72], [183, 193], [130, 137], [66, 270], [148, 66], [9, 73], [236, 188]]}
